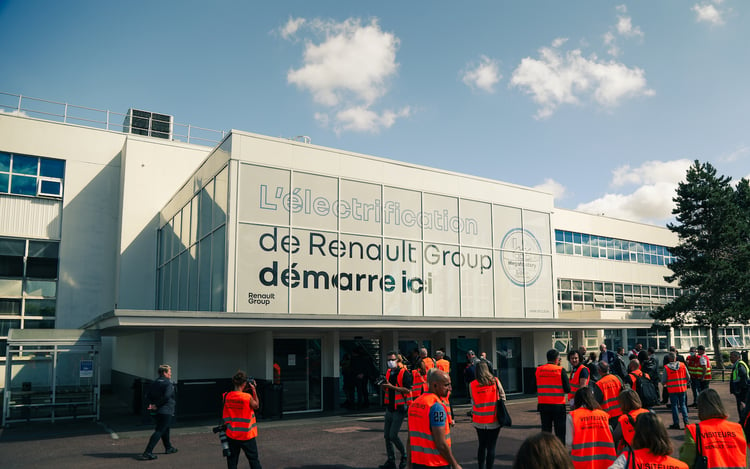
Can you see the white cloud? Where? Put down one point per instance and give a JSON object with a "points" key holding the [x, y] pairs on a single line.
{"points": [[559, 77], [651, 201], [708, 13], [347, 71], [483, 76], [735, 155], [625, 27], [290, 28], [557, 190]]}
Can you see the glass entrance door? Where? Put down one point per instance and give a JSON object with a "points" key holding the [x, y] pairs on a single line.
{"points": [[509, 363], [300, 373], [459, 347]]}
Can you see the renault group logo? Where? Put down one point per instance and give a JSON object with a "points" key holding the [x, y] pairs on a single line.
{"points": [[521, 257]]}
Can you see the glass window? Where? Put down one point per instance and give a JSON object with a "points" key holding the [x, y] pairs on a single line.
{"points": [[41, 288], [25, 165], [4, 182], [23, 185], [39, 324], [51, 168], [10, 307], [40, 308], [8, 324], [4, 161], [49, 187]]}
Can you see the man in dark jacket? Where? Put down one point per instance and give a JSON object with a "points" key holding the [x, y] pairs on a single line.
{"points": [[618, 366], [161, 404]]}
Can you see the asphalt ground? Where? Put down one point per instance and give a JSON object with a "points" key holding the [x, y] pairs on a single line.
{"points": [[332, 441]]}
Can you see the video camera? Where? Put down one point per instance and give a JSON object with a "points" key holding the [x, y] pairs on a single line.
{"points": [[222, 431], [380, 380]]}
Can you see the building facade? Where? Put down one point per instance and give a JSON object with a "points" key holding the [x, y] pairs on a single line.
{"points": [[283, 258]]}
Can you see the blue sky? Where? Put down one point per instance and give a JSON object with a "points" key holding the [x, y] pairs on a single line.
{"points": [[605, 104]]}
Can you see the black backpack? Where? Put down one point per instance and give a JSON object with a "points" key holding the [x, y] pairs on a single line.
{"points": [[647, 392]]}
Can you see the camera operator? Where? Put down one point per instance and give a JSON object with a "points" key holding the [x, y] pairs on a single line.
{"points": [[239, 417]]}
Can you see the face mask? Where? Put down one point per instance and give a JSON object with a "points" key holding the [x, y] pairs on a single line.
{"points": [[391, 364], [692, 354]]}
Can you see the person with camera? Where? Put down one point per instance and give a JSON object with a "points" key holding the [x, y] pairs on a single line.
{"points": [[239, 418], [161, 404], [397, 393]]}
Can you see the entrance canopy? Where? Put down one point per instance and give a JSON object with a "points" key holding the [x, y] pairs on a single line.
{"points": [[51, 374]]}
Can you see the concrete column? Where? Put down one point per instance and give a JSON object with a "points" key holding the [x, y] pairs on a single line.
{"points": [[259, 357]]}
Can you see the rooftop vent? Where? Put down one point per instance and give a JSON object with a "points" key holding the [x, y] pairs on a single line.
{"points": [[148, 123]]}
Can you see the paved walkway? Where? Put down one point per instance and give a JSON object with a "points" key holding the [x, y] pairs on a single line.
{"points": [[340, 441]]}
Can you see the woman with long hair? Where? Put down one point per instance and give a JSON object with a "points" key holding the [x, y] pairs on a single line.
{"points": [[588, 434], [721, 441], [542, 451], [651, 446], [486, 390], [631, 407]]}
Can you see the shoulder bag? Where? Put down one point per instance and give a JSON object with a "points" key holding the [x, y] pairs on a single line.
{"points": [[701, 461], [503, 417]]}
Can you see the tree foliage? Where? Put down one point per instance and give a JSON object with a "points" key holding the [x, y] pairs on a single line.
{"points": [[713, 254]]}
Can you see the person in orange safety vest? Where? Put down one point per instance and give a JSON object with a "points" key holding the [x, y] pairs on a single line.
{"points": [[609, 387], [631, 407], [588, 435], [429, 432], [397, 395], [239, 417], [675, 381], [652, 447], [552, 386], [721, 441], [579, 377], [486, 390], [419, 380]]}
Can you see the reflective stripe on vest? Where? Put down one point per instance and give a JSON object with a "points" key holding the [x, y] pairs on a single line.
{"points": [[593, 447], [694, 368], [485, 403], [238, 416], [677, 380], [645, 458], [419, 385], [401, 399], [549, 384], [423, 449], [723, 442], [575, 379], [627, 428], [708, 367], [611, 387], [735, 374]]}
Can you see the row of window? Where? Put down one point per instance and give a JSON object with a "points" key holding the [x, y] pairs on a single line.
{"points": [[31, 175], [586, 245], [588, 294], [28, 285]]}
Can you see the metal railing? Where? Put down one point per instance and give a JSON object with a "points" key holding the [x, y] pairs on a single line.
{"points": [[97, 118]]}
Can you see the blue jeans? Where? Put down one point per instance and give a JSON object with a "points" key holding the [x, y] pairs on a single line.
{"points": [[679, 403], [392, 426]]}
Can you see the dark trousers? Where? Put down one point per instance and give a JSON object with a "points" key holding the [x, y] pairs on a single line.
{"points": [[161, 431], [250, 447], [393, 421], [741, 397], [486, 451], [553, 414]]}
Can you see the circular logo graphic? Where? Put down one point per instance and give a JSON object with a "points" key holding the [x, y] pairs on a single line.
{"points": [[521, 257]]}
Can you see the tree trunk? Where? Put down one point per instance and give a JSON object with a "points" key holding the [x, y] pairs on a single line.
{"points": [[717, 347]]}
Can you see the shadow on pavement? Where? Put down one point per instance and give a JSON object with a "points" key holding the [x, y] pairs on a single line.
{"points": [[136, 457], [44, 431]]}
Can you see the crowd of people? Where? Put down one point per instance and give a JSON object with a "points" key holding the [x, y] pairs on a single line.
{"points": [[597, 415]]}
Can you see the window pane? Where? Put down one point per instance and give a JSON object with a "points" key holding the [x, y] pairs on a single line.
{"points": [[43, 249], [10, 288], [8, 324], [39, 324], [38, 267], [25, 165], [10, 307], [4, 180], [39, 308], [50, 188], [11, 266], [217, 270], [40, 288], [4, 161], [23, 185], [51, 168]]}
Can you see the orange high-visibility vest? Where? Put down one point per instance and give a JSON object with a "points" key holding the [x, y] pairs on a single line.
{"points": [[611, 387], [418, 385], [443, 365], [575, 379], [694, 366], [549, 384], [401, 399], [628, 431], [423, 449], [238, 416], [593, 447], [632, 375], [485, 402], [645, 458], [708, 367], [722, 441], [677, 380], [429, 363]]}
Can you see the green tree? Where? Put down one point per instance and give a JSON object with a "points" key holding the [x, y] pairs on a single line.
{"points": [[711, 257]]}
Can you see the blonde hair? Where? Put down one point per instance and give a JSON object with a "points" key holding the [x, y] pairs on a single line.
{"points": [[164, 369]]}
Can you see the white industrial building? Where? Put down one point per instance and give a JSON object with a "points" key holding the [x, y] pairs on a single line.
{"points": [[260, 253]]}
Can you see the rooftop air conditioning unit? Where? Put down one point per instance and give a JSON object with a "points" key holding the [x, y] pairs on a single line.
{"points": [[148, 123]]}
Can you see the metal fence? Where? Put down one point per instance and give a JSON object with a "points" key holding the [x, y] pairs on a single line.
{"points": [[97, 118]]}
